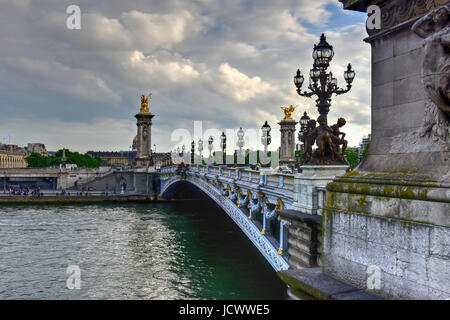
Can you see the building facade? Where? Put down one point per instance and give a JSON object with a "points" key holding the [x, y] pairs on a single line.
{"points": [[12, 156], [114, 158], [37, 148]]}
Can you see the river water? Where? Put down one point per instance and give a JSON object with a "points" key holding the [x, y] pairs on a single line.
{"points": [[183, 250]]}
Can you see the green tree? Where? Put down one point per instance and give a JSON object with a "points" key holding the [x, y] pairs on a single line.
{"points": [[299, 155], [363, 155], [35, 160], [81, 160], [352, 158]]}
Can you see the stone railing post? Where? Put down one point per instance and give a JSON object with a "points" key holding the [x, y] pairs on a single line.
{"points": [[305, 184]]}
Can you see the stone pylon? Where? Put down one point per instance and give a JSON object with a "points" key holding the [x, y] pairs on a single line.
{"points": [[144, 138], [287, 146]]}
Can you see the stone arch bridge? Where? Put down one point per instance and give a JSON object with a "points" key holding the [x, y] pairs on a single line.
{"points": [[263, 205]]}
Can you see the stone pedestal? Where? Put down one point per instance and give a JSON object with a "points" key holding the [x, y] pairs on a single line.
{"points": [[287, 145], [144, 139], [305, 184], [391, 214]]}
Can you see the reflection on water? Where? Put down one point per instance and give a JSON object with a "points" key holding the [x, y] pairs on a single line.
{"points": [[188, 250]]}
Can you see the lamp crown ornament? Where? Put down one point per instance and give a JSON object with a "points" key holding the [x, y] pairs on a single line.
{"points": [[322, 83]]}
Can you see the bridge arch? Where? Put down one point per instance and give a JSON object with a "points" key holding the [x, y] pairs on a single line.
{"points": [[265, 247]]}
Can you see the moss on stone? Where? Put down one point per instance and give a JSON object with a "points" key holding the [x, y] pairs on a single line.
{"points": [[302, 288]]}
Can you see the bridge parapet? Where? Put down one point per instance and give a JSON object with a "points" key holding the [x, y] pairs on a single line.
{"points": [[277, 204]]}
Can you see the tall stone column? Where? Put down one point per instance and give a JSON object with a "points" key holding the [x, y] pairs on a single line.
{"points": [[144, 135], [287, 146], [392, 211]]}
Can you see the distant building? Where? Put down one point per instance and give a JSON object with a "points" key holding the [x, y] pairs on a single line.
{"points": [[363, 145], [37, 148], [161, 159], [12, 156], [114, 158], [354, 149], [122, 158]]}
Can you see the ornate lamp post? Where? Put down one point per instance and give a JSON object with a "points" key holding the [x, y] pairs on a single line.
{"points": [[210, 146], [266, 139], [192, 151], [223, 145], [200, 149], [303, 128], [322, 83], [240, 144]]}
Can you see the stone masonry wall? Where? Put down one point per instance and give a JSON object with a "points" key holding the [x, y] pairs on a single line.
{"points": [[414, 258]]}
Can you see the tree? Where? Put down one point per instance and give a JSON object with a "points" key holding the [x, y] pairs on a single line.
{"points": [[81, 160], [352, 158], [363, 155], [299, 155], [36, 160]]}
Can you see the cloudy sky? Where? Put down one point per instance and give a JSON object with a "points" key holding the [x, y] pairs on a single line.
{"points": [[228, 63]]}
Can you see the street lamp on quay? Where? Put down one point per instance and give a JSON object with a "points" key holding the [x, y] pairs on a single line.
{"points": [[322, 83]]}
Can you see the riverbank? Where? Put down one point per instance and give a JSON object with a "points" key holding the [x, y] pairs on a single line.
{"points": [[83, 199]]}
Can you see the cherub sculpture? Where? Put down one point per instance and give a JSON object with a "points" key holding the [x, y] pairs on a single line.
{"points": [[322, 135], [288, 112], [336, 133]]}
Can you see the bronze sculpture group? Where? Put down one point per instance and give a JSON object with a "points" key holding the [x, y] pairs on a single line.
{"points": [[328, 140]]}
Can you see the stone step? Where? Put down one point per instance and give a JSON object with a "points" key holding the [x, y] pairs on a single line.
{"points": [[313, 283]]}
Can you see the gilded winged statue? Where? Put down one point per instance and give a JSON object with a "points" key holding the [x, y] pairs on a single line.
{"points": [[288, 112], [144, 103]]}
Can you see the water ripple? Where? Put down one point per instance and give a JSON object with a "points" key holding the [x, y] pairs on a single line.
{"points": [[130, 251]]}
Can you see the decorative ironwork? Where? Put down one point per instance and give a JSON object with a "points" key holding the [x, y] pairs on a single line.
{"points": [[322, 83]]}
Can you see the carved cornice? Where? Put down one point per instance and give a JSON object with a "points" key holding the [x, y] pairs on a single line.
{"points": [[394, 12]]}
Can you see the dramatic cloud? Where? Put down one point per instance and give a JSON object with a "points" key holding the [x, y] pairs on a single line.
{"points": [[226, 63]]}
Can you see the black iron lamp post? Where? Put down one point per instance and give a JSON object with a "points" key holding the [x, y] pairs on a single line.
{"points": [[303, 128], [192, 151], [223, 144], [322, 83]]}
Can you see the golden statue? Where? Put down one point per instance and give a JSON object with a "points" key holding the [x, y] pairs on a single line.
{"points": [[144, 103], [288, 112]]}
